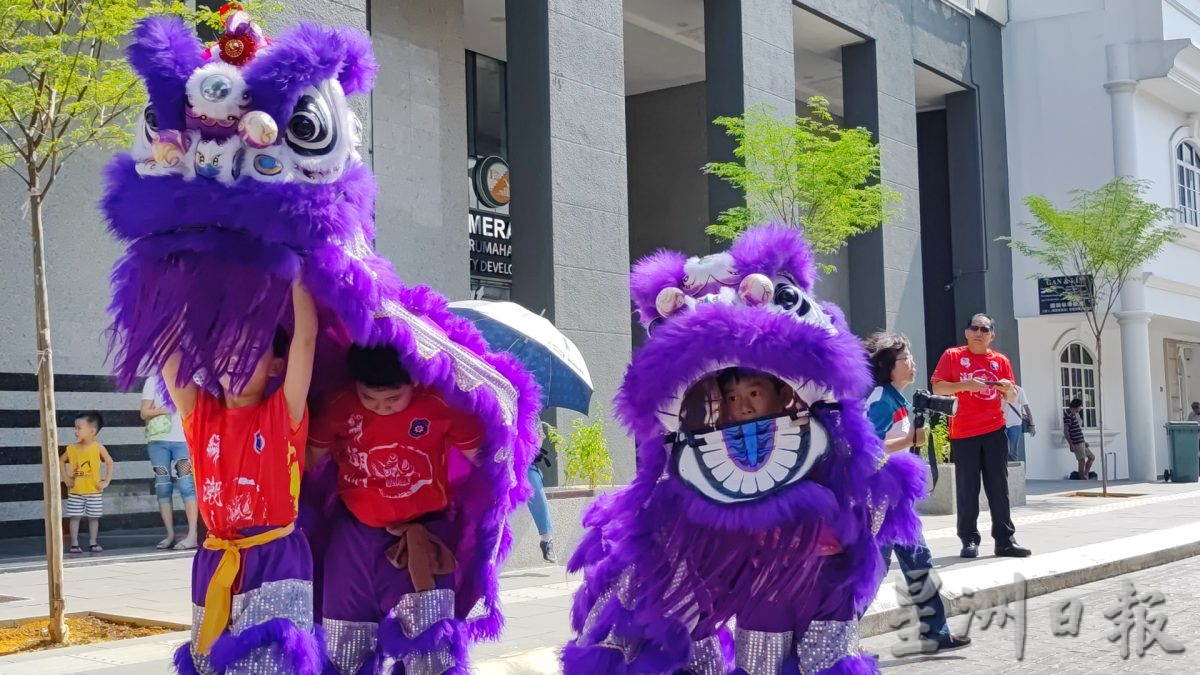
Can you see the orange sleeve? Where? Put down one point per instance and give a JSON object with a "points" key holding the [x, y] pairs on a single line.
{"points": [[946, 369], [466, 433]]}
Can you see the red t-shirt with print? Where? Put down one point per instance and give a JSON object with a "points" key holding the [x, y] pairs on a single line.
{"points": [[393, 468], [247, 463], [978, 412]]}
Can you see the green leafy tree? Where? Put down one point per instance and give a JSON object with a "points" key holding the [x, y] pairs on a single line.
{"points": [[1106, 235], [585, 451], [804, 171], [64, 87]]}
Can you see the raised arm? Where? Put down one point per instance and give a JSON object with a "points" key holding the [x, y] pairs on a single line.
{"points": [[184, 396], [300, 354]]}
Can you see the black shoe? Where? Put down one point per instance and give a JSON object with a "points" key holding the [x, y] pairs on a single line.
{"points": [[1013, 550], [548, 552], [947, 643], [1092, 475], [969, 551]]}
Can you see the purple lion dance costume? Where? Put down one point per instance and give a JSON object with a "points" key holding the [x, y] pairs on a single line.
{"points": [[244, 177], [772, 524]]}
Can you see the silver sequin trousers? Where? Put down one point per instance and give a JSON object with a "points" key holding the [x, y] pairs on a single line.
{"points": [[350, 644], [288, 599]]}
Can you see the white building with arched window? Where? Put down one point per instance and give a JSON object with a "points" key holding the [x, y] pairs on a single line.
{"points": [[1097, 89]]}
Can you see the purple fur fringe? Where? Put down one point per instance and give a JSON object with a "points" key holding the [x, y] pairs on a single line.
{"points": [[301, 649], [394, 644], [184, 665]]}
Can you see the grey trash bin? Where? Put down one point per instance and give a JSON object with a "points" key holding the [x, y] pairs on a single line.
{"points": [[1185, 451]]}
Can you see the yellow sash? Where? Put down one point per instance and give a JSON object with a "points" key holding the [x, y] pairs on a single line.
{"points": [[218, 600]]}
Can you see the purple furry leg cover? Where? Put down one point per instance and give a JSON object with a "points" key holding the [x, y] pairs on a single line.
{"points": [[394, 645], [300, 648], [183, 660], [661, 646]]}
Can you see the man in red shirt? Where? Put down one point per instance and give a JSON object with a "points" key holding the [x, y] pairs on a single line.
{"points": [[388, 578], [980, 378]]}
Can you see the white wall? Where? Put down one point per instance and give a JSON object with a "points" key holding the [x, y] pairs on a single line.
{"points": [[1058, 119], [1042, 339]]}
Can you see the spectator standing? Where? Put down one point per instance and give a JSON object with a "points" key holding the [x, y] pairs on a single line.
{"points": [[1073, 431], [893, 367], [1018, 420], [1194, 415], [87, 469], [167, 447], [539, 506], [980, 377]]}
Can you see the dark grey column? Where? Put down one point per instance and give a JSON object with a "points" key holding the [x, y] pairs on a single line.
{"points": [[860, 91], [968, 238], [567, 143], [527, 33], [748, 60], [987, 73]]}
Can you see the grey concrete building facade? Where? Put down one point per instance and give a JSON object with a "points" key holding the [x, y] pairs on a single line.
{"points": [[600, 111]]}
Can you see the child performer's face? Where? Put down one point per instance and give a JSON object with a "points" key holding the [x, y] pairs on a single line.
{"points": [[84, 431], [268, 366], [384, 400], [749, 398]]}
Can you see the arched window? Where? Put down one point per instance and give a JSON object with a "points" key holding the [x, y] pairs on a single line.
{"points": [[1077, 379], [1187, 180]]}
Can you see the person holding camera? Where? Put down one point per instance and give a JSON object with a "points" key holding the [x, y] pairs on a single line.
{"points": [[982, 379], [893, 367]]}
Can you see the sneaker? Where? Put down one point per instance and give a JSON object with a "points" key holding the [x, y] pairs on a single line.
{"points": [[548, 551], [947, 643], [970, 550]]}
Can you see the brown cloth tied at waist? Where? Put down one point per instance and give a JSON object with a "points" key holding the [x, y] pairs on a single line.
{"points": [[421, 552]]}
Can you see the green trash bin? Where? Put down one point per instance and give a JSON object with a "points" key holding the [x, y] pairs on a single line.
{"points": [[1185, 451]]}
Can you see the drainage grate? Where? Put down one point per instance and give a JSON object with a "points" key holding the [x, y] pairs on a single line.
{"points": [[1111, 494]]}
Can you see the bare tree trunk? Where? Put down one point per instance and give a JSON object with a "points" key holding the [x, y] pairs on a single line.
{"points": [[1100, 414], [51, 479]]}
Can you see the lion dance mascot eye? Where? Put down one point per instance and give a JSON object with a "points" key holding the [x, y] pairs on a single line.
{"points": [[243, 180], [749, 540]]}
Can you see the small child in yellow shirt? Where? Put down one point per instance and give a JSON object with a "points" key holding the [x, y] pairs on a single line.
{"points": [[85, 482]]}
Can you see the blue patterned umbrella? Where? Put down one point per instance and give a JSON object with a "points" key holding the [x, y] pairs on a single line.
{"points": [[550, 356]]}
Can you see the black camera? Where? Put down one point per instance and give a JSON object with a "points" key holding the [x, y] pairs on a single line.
{"points": [[925, 402], [941, 405]]}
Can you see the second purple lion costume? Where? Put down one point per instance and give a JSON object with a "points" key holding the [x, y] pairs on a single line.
{"points": [[729, 523], [244, 177]]}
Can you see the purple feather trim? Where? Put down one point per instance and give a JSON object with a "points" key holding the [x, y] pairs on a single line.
{"points": [[306, 56], [301, 649], [184, 665], [447, 633], [164, 51], [578, 660]]}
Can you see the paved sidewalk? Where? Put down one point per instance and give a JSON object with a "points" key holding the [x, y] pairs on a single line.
{"points": [[1076, 540]]}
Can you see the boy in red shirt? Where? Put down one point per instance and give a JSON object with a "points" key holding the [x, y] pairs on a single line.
{"points": [[388, 593], [252, 580]]}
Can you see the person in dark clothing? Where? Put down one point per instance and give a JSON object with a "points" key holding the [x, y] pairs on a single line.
{"points": [[1073, 430], [981, 378]]}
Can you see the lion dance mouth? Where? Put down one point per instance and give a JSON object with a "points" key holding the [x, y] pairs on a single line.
{"points": [[770, 519]]}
